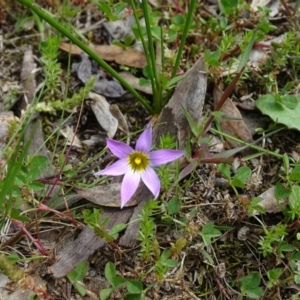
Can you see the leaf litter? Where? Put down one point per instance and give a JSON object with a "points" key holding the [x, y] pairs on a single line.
{"points": [[206, 191]]}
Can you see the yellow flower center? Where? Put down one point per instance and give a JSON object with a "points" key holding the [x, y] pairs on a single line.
{"points": [[138, 161]]}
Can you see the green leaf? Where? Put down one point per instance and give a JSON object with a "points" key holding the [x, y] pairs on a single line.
{"points": [[295, 198], [174, 205], [224, 169], [250, 285], [156, 32], [105, 293], [116, 229], [196, 129], [110, 272], [268, 105], [118, 281], [15, 215], [241, 176], [13, 257], [295, 174], [178, 20], [144, 82], [133, 297], [228, 6], [36, 165], [290, 101], [80, 289], [134, 287], [212, 58], [208, 232], [297, 278], [286, 163], [172, 35], [36, 186], [281, 192], [174, 81], [286, 248], [274, 274], [219, 115], [254, 205], [171, 263], [245, 57], [78, 273]]}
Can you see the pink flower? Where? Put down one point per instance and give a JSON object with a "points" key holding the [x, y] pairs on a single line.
{"points": [[138, 164]]}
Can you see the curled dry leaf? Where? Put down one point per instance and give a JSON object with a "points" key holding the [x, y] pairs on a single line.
{"points": [[129, 57], [69, 133], [104, 195], [235, 128], [122, 124], [102, 112]]}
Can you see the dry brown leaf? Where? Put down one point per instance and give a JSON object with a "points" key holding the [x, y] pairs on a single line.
{"points": [[269, 202], [104, 195], [135, 82], [101, 109], [129, 57], [235, 128], [122, 124]]}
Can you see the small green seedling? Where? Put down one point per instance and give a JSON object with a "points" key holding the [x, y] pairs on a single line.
{"points": [[250, 286], [134, 287], [77, 275]]}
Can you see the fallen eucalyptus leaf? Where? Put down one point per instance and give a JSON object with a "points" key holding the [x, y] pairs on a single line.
{"points": [[129, 57], [101, 109]]}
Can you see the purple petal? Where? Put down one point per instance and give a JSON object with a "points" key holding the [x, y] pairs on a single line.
{"points": [[151, 180], [119, 167], [129, 186], [161, 157], [119, 149], [144, 142]]}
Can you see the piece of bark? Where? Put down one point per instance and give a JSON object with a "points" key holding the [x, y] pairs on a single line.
{"points": [[190, 93], [87, 243], [235, 128]]}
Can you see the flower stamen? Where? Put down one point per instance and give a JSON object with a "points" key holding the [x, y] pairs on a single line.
{"points": [[138, 161]]}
